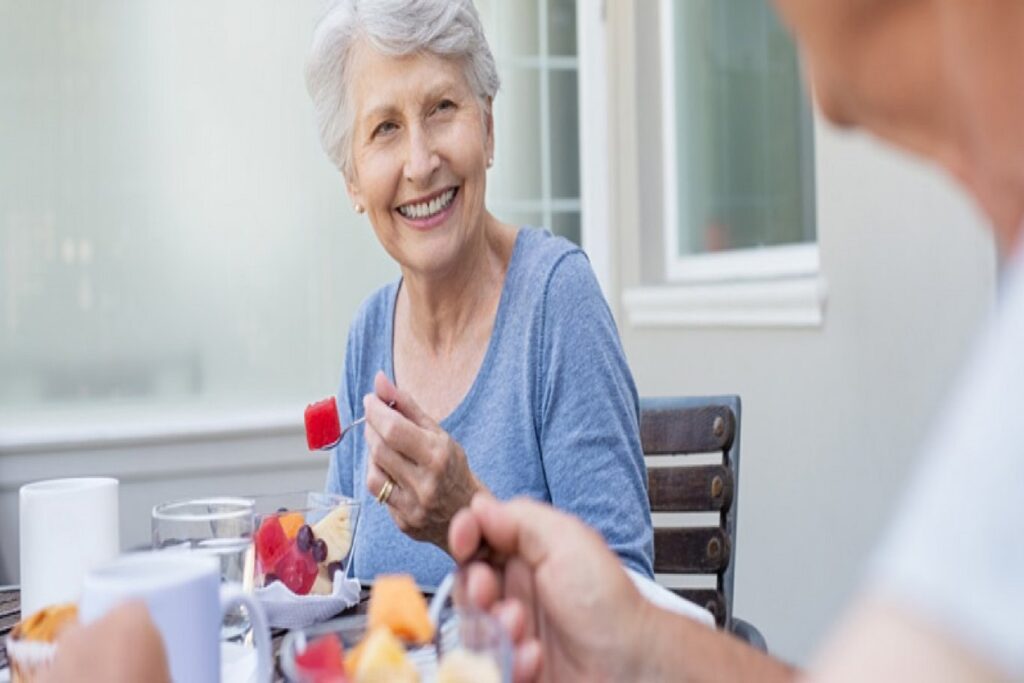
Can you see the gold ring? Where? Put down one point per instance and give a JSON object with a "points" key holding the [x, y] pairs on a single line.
{"points": [[385, 492]]}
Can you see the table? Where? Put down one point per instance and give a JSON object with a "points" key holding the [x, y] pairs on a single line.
{"points": [[10, 614]]}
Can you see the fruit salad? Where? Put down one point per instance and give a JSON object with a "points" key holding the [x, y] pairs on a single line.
{"points": [[304, 549], [387, 645]]}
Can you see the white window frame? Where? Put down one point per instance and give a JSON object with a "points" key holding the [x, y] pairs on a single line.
{"points": [[592, 75], [774, 286]]}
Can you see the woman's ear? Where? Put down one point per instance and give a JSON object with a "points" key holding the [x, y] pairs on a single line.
{"points": [[355, 194], [489, 130]]}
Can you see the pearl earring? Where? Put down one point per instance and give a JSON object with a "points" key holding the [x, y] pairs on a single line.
{"points": [[358, 208], [490, 162]]}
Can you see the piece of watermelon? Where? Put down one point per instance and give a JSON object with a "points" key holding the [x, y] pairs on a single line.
{"points": [[323, 427], [297, 570], [271, 543], [323, 660]]}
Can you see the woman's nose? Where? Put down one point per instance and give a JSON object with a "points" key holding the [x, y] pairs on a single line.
{"points": [[422, 159]]}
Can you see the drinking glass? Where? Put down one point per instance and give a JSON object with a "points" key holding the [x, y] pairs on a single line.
{"points": [[220, 528]]}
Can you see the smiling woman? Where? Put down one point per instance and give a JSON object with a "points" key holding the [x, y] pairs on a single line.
{"points": [[495, 347]]}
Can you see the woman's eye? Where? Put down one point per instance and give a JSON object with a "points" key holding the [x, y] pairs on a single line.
{"points": [[384, 128], [444, 105]]}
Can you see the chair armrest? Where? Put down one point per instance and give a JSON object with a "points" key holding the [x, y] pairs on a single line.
{"points": [[749, 634]]}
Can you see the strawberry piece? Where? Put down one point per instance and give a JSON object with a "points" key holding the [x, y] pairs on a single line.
{"points": [[271, 543], [297, 570], [323, 660], [323, 427]]}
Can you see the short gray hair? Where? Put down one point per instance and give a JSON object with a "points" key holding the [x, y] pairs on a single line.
{"points": [[448, 28]]}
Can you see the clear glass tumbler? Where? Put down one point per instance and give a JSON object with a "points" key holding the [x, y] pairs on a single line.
{"points": [[220, 527]]}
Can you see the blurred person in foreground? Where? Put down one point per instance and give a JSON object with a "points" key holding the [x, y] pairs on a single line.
{"points": [[944, 591]]}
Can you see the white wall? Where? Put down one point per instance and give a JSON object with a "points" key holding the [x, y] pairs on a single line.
{"points": [[833, 415], [153, 470]]}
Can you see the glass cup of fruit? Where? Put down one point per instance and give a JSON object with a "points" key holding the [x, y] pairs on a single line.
{"points": [[303, 540], [396, 641], [471, 647]]}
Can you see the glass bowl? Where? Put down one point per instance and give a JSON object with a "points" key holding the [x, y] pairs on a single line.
{"points": [[302, 539], [474, 638]]}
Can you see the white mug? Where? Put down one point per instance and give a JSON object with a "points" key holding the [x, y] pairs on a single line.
{"points": [[187, 603], [65, 528]]}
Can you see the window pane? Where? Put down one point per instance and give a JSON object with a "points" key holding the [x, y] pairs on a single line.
{"points": [[518, 28], [566, 224], [517, 166], [531, 218], [743, 133], [562, 27], [565, 134]]}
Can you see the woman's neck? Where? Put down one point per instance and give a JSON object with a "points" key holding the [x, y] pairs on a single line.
{"points": [[440, 307]]}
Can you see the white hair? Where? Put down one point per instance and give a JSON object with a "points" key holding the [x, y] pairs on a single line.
{"points": [[448, 28]]}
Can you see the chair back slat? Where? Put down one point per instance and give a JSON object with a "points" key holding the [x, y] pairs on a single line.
{"points": [[710, 599], [700, 429], [691, 550], [690, 426], [707, 488]]}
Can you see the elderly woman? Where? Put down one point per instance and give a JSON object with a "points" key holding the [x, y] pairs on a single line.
{"points": [[493, 363]]}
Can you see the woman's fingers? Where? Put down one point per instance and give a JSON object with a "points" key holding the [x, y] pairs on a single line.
{"points": [[376, 479], [395, 464], [396, 430], [387, 392]]}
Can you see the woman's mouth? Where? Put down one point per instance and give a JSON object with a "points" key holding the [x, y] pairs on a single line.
{"points": [[428, 213]]}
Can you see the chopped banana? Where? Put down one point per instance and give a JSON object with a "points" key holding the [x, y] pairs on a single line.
{"points": [[336, 531]]}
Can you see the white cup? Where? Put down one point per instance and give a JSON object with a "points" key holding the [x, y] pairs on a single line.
{"points": [[65, 528], [187, 603]]}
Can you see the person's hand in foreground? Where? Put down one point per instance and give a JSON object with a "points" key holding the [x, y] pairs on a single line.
{"points": [[572, 612], [562, 594], [121, 647], [431, 474]]}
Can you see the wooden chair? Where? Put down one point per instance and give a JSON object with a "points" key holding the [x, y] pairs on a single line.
{"points": [[690, 426]]}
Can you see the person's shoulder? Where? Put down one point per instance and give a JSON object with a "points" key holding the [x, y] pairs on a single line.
{"points": [[547, 258]]}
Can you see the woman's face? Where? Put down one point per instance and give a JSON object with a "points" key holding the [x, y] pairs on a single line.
{"points": [[420, 145]]}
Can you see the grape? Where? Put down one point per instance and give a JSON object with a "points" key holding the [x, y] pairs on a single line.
{"points": [[270, 578], [320, 550], [305, 538], [333, 568]]}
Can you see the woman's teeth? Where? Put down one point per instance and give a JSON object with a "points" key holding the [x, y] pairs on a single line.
{"points": [[428, 209]]}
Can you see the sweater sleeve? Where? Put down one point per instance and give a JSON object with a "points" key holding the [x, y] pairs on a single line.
{"points": [[589, 415]]}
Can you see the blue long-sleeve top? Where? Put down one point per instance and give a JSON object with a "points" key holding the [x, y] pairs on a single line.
{"points": [[552, 414]]}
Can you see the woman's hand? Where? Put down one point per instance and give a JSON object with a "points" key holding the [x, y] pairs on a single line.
{"points": [[432, 479]]}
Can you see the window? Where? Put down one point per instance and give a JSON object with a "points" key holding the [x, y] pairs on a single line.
{"points": [[173, 241], [738, 239], [739, 160], [536, 178]]}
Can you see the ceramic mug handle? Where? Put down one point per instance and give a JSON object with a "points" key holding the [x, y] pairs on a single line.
{"points": [[232, 596]]}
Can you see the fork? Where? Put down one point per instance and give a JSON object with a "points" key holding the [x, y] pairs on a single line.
{"points": [[345, 430]]}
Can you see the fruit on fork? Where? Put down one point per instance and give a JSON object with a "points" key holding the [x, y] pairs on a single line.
{"points": [[323, 426]]}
